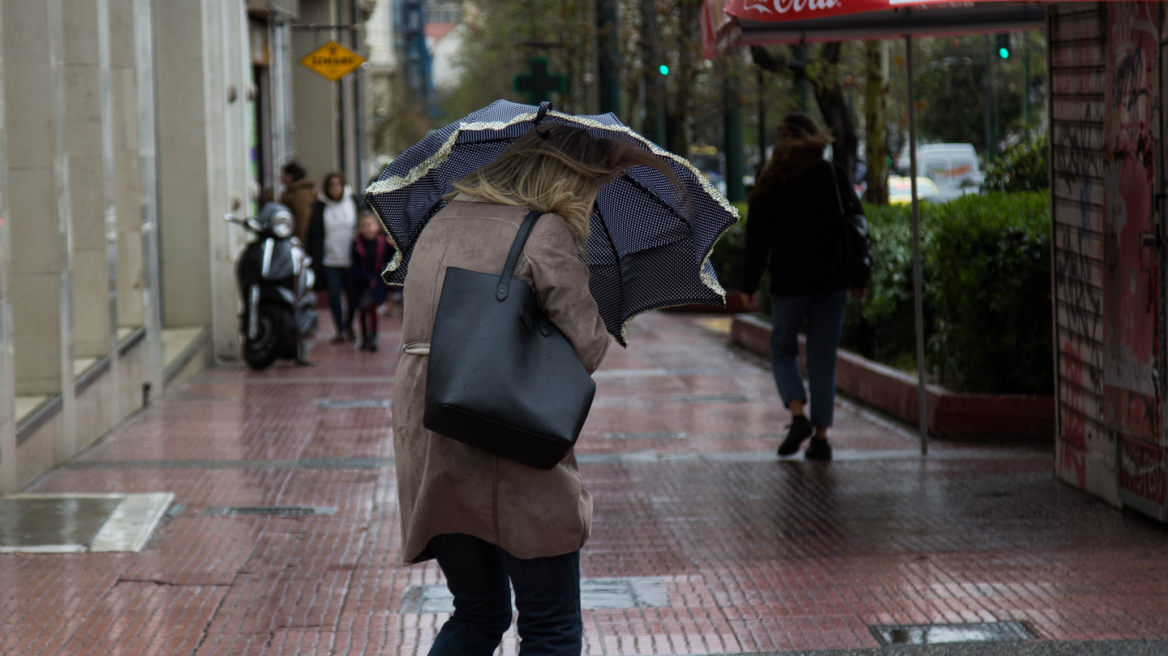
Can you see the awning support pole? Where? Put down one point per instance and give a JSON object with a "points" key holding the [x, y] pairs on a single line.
{"points": [[918, 294]]}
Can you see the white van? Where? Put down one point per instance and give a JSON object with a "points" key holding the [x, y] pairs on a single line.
{"points": [[951, 166]]}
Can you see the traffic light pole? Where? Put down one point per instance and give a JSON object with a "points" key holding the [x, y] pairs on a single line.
{"points": [[608, 51]]}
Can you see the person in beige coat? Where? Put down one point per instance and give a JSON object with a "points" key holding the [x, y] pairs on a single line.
{"points": [[492, 522]]}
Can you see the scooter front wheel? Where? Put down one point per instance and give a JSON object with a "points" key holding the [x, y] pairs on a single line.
{"points": [[272, 329]]}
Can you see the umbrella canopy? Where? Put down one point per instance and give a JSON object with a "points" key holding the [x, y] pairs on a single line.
{"points": [[647, 247]]}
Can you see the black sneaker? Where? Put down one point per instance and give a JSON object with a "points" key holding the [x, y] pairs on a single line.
{"points": [[819, 449], [800, 430]]}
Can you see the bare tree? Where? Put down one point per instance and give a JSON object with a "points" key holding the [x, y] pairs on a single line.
{"points": [[823, 75], [876, 121]]}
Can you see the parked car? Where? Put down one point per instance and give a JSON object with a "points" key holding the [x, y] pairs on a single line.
{"points": [[953, 167], [900, 190]]}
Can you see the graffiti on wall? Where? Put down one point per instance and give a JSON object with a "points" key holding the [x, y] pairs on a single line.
{"points": [[1131, 264], [1078, 47]]}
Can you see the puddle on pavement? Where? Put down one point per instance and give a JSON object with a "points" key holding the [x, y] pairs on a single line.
{"points": [[30, 522], [935, 634]]}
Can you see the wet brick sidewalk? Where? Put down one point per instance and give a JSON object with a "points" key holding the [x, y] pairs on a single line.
{"points": [[704, 542]]}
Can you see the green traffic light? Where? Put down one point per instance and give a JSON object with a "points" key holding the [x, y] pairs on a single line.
{"points": [[1004, 53], [664, 69]]}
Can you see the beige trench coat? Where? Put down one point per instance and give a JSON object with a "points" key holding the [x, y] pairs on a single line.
{"points": [[446, 486]]}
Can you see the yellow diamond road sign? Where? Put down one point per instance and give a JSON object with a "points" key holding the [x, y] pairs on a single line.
{"points": [[332, 61]]}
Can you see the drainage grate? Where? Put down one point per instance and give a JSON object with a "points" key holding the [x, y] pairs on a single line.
{"points": [[79, 523], [279, 511], [935, 634], [662, 435], [595, 594], [337, 404]]}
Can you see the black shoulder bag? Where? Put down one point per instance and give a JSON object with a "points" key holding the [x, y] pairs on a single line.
{"points": [[501, 376], [853, 258]]}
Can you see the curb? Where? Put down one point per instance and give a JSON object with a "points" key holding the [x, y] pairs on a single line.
{"points": [[951, 414]]}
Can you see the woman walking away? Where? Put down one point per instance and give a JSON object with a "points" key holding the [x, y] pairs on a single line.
{"points": [[330, 237], [491, 522], [796, 218], [371, 252]]}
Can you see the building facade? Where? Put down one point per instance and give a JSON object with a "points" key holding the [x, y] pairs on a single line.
{"points": [[128, 128]]}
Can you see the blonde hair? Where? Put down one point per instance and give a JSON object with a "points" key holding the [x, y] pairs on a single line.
{"points": [[559, 168]]}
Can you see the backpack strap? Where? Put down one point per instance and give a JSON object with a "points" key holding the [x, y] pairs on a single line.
{"points": [[525, 228]]}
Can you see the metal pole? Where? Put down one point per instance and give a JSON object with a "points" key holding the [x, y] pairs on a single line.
{"points": [[608, 54], [762, 132], [918, 295], [732, 129], [1026, 85], [985, 95]]}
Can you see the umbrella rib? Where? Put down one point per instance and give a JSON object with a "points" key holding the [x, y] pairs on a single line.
{"points": [[616, 255]]}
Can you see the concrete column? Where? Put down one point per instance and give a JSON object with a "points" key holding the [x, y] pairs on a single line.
{"points": [[7, 380], [127, 174], [39, 204], [202, 151], [227, 59], [315, 100], [143, 32], [85, 103], [184, 230]]}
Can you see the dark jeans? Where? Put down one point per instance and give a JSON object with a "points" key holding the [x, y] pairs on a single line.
{"points": [[334, 282], [547, 596], [825, 322]]}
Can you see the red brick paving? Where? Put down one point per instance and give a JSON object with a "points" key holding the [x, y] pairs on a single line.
{"points": [[755, 554]]}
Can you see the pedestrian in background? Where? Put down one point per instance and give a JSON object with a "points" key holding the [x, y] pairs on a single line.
{"points": [[298, 196], [795, 220], [371, 253], [330, 242]]}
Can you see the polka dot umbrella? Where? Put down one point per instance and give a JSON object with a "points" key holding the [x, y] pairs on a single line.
{"points": [[647, 247]]}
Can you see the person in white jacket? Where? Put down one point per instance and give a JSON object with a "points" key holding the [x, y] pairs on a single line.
{"points": [[330, 236]]}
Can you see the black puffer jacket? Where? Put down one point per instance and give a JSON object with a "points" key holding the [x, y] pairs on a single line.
{"points": [[798, 225]]}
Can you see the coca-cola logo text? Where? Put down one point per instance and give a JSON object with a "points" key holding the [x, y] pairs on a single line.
{"points": [[783, 6]]}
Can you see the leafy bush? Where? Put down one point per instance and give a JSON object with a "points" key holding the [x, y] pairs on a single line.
{"points": [[986, 274], [1021, 168], [990, 280], [730, 253], [889, 301]]}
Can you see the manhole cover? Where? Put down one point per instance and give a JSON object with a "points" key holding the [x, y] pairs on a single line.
{"points": [[935, 634], [280, 511], [336, 404], [77, 523], [595, 594]]}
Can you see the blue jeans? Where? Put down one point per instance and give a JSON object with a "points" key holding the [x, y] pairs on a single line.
{"points": [[825, 322], [480, 575], [334, 282]]}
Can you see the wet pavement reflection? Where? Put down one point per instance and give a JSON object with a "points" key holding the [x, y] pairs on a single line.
{"points": [[283, 537]]}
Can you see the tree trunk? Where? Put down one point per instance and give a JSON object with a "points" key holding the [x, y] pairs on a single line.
{"points": [[829, 95], [876, 122]]}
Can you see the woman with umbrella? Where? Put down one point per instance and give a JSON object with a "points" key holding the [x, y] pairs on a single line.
{"points": [[493, 523], [489, 519]]}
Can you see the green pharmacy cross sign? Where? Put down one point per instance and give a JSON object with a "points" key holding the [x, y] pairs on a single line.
{"points": [[539, 83]]}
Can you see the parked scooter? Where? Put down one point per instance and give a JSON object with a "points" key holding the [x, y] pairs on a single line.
{"points": [[275, 282]]}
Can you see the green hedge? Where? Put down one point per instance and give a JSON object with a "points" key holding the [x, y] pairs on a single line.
{"points": [[986, 269], [1021, 168]]}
